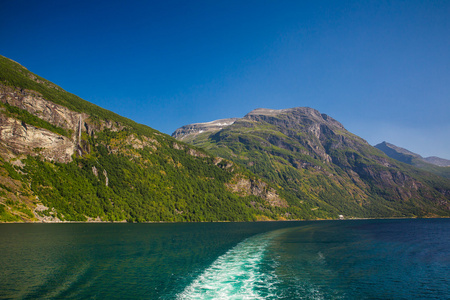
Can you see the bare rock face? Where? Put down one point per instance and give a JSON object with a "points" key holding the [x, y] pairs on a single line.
{"points": [[196, 153], [35, 104], [106, 177], [51, 216], [21, 138], [245, 187]]}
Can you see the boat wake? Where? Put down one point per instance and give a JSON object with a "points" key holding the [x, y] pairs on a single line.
{"points": [[244, 272]]}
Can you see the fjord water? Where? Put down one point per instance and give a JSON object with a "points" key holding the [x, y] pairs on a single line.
{"points": [[361, 259]]}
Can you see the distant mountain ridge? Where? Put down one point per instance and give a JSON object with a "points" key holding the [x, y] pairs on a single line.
{"points": [[441, 162], [431, 164], [322, 167]]}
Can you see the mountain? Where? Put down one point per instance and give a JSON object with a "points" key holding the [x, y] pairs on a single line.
{"points": [[431, 164], [65, 159], [321, 167], [442, 162], [398, 153]]}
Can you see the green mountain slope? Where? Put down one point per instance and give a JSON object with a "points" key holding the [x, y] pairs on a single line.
{"points": [[63, 158], [415, 159], [321, 166]]}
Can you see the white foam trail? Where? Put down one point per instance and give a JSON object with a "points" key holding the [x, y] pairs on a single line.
{"points": [[237, 274]]}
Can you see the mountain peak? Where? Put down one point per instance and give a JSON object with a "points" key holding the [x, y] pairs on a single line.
{"points": [[289, 117], [275, 112], [295, 115], [266, 112], [385, 146]]}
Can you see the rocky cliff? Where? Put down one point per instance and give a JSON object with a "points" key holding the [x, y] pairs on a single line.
{"points": [[23, 138]]}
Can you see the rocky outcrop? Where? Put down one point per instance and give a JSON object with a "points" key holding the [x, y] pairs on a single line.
{"points": [[223, 163], [106, 177], [35, 104], [245, 186], [45, 214], [196, 153], [21, 138]]}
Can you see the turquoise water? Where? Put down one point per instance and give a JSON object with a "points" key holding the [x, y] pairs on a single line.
{"points": [[365, 259]]}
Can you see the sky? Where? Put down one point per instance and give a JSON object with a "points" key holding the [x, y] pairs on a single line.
{"points": [[381, 68]]}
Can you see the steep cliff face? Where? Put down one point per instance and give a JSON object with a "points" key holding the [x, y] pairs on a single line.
{"points": [[35, 104], [22, 138], [65, 159], [318, 162]]}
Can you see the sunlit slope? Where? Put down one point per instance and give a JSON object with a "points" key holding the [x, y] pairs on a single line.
{"points": [[63, 158], [318, 163]]}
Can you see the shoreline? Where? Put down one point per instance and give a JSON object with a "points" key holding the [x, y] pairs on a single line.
{"points": [[265, 221]]}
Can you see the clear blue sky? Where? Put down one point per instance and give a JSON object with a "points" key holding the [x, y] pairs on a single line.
{"points": [[382, 68]]}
